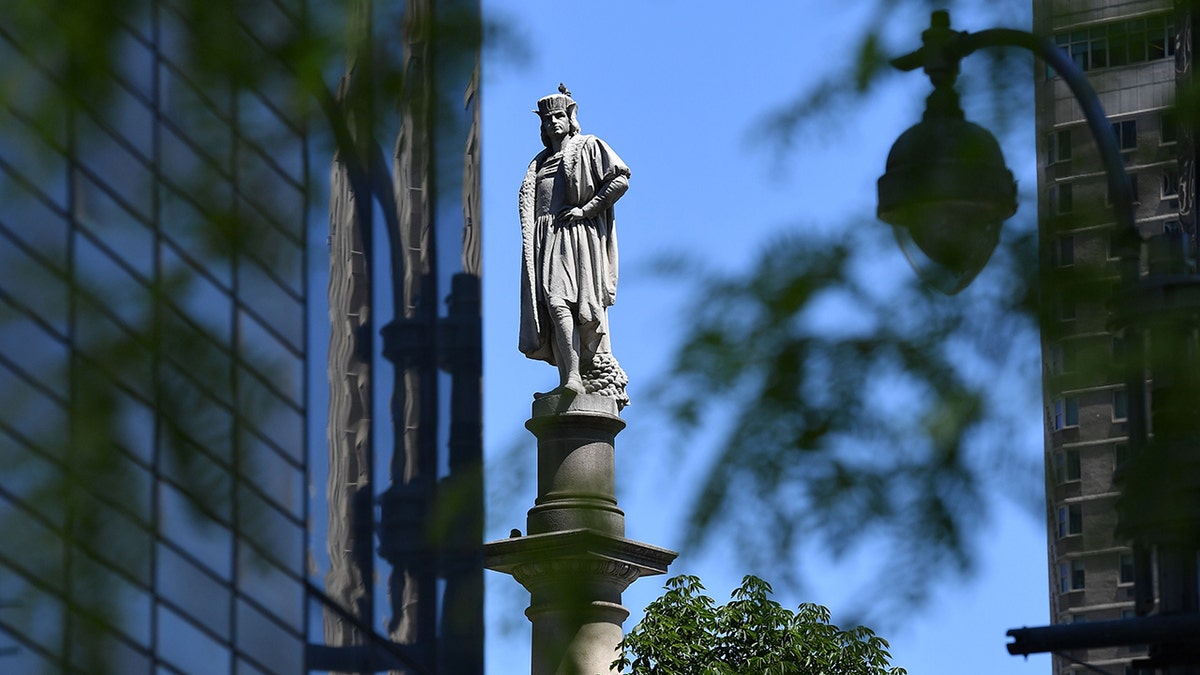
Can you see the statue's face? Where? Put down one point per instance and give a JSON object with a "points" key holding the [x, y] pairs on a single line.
{"points": [[556, 124]]}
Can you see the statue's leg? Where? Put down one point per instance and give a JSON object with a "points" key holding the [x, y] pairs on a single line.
{"points": [[566, 347], [601, 373]]}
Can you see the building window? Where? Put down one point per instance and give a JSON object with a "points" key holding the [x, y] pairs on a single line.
{"points": [[1120, 43], [1160, 38], [1112, 249], [1070, 520], [1120, 405], [1067, 466], [1065, 251], [1070, 576], [1126, 133], [1125, 569], [1058, 146], [1120, 456], [1062, 359], [1066, 413], [1170, 184], [1168, 128], [1061, 199]]}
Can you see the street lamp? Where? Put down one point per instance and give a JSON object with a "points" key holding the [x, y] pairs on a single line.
{"points": [[946, 189], [946, 192]]}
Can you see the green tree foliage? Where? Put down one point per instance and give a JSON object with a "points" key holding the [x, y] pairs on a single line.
{"points": [[685, 632]]}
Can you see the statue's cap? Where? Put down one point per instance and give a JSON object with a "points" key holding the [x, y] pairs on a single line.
{"points": [[553, 102]]}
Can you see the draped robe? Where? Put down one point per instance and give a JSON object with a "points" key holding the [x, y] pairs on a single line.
{"points": [[575, 261]]}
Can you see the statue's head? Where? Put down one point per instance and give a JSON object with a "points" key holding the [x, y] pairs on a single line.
{"points": [[557, 105]]}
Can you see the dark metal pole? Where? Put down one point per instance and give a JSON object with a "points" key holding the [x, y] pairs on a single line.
{"points": [[1121, 632]]}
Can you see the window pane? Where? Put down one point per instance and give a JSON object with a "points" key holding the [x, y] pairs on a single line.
{"points": [[266, 643], [1079, 55], [1059, 147], [1170, 183], [1126, 133], [1066, 251], [1077, 575], [1099, 55], [1118, 47], [188, 646], [1158, 45], [1120, 455], [1126, 568]]}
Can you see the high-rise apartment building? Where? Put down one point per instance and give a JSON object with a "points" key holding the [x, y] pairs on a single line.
{"points": [[1127, 51]]}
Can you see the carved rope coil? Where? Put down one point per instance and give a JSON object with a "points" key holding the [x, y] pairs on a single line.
{"points": [[606, 378]]}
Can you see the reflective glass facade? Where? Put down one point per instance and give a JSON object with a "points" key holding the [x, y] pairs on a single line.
{"points": [[153, 347], [168, 500]]}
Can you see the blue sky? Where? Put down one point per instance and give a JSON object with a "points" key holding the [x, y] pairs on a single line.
{"points": [[678, 89]]}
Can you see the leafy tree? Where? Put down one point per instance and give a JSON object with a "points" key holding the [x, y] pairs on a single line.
{"points": [[684, 631]]}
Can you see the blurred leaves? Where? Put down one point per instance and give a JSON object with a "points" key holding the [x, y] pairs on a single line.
{"points": [[169, 144], [855, 412], [855, 408], [88, 483], [137, 390], [890, 30], [685, 632]]}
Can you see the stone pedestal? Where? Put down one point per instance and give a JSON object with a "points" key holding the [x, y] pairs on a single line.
{"points": [[575, 562]]}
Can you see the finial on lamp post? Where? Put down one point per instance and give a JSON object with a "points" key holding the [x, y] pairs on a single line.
{"points": [[946, 189]]}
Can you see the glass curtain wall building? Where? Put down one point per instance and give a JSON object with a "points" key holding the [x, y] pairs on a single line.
{"points": [[162, 364], [153, 344]]}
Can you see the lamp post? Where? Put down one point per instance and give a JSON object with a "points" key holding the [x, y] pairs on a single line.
{"points": [[946, 192]]}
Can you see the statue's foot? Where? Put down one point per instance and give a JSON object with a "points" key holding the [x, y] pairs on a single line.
{"points": [[573, 387], [575, 384]]}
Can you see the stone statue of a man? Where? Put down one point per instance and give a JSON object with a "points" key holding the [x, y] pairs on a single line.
{"points": [[569, 257]]}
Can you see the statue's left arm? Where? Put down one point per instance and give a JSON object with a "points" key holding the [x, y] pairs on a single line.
{"points": [[610, 191], [611, 177]]}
